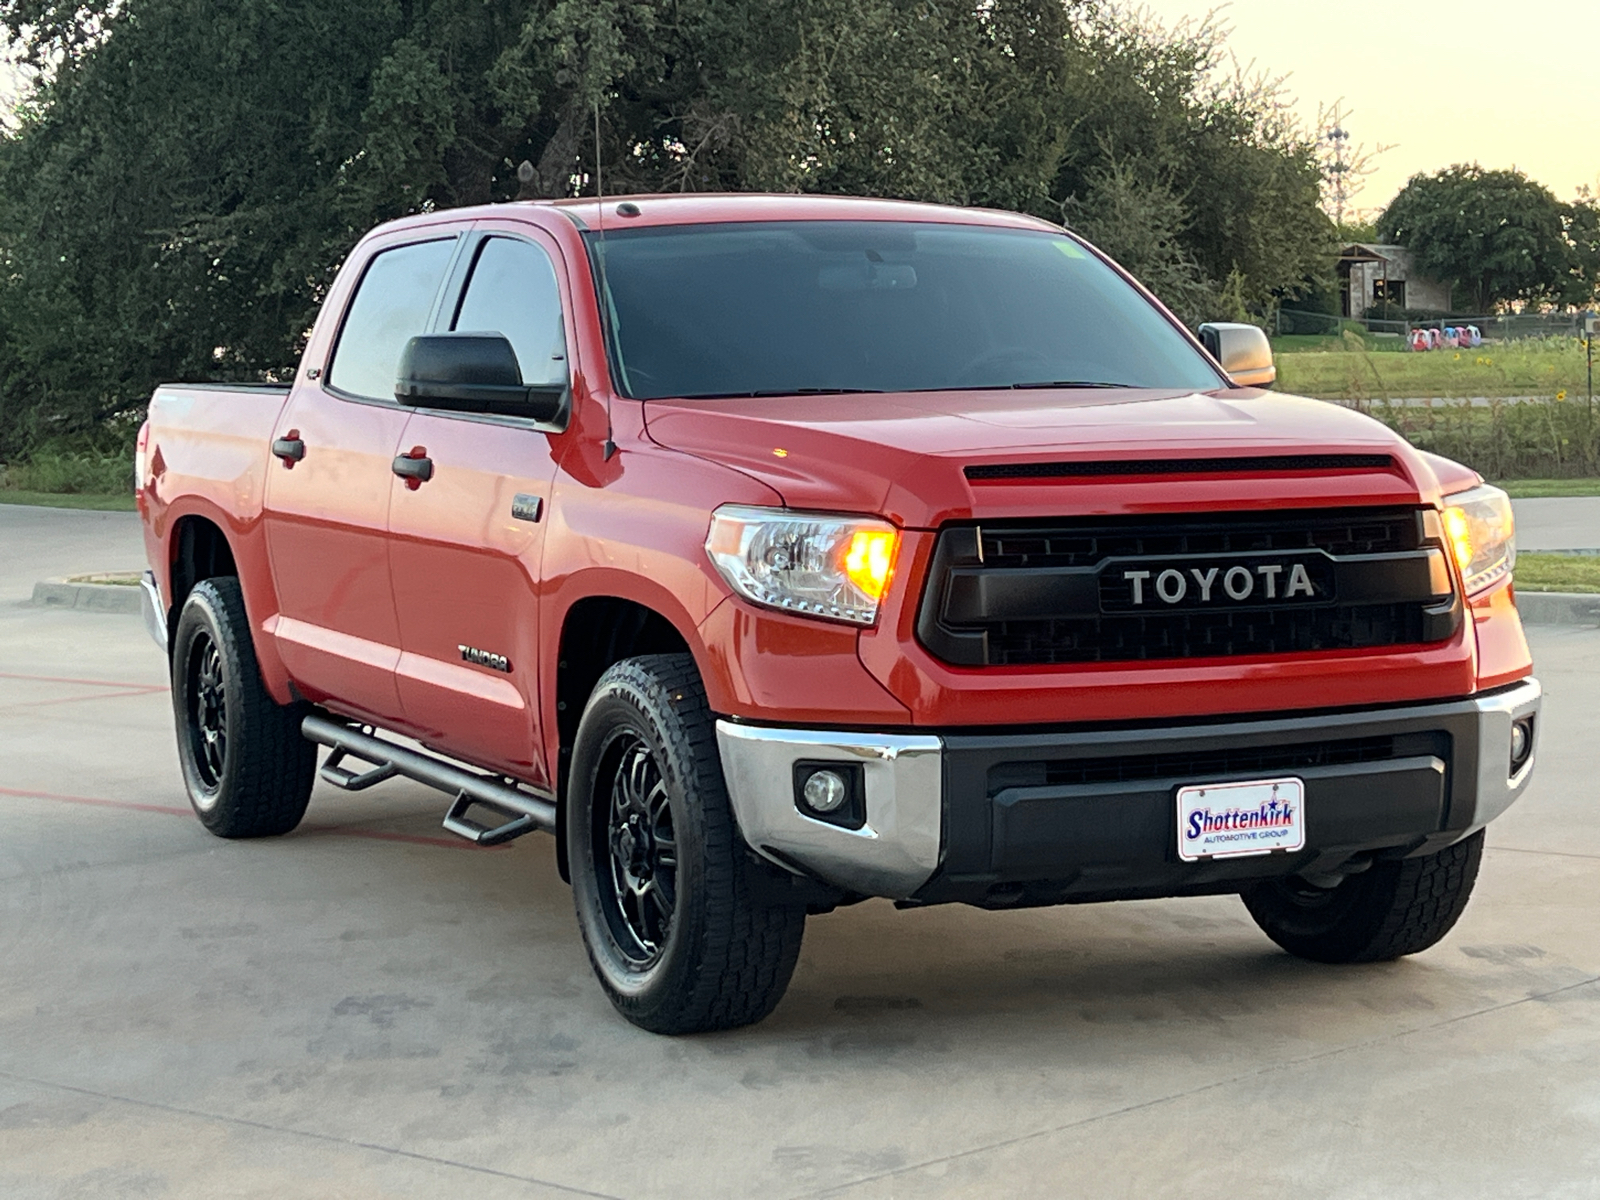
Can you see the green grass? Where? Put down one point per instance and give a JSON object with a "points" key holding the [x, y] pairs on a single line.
{"points": [[1558, 573], [1537, 489], [82, 471], [81, 477], [1307, 343], [1351, 369], [119, 502]]}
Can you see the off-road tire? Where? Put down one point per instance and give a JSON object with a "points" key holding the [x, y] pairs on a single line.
{"points": [[1388, 911], [720, 958], [258, 781]]}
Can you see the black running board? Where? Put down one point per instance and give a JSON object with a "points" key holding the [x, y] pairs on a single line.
{"points": [[523, 810]]}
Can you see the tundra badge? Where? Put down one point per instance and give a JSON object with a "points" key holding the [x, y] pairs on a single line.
{"points": [[495, 662], [525, 507]]}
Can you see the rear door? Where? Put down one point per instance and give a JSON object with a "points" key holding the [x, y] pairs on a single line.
{"points": [[327, 510], [466, 544]]}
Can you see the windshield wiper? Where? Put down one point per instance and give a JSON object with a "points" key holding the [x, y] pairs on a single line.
{"points": [[800, 391], [1012, 387], [1067, 383]]}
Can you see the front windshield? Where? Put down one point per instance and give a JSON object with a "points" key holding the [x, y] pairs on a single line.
{"points": [[795, 307]]}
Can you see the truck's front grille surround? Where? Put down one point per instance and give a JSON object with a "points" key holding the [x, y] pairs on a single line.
{"points": [[1026, 593]]}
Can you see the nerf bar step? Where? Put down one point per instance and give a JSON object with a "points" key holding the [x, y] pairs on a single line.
{"points": [[523, 811]]}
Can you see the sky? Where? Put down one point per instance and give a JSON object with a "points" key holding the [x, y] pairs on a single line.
{"points": [[1502, 84], [1499, 82]]}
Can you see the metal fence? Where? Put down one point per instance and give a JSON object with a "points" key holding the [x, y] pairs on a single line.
{"points": [[1501, 327]]}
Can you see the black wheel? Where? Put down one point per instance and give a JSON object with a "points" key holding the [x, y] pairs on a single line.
{"points": [[1388, 911], [248, 770], [659, 876]]}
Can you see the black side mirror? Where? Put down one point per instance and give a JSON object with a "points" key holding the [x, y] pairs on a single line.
{"points": [[475, 373]]}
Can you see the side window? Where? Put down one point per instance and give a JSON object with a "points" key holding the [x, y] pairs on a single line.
{"points": [[513, 292], [390, 308]]}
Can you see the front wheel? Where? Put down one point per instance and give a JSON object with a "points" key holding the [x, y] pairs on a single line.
{"points": [[676, 939], [1388, 911]]}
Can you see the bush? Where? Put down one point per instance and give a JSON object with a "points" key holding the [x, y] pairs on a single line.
{"points": [[1506, 439], [71, 472]]}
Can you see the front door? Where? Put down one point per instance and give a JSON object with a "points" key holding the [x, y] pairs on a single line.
{"points": [[466, 543], [328, 490]]}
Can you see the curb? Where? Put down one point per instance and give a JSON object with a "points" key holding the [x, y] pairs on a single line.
{"points": [[86, 597], [1559, 608]]}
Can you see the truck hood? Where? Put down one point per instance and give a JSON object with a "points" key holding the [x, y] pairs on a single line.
{"points": [[905, 456]]}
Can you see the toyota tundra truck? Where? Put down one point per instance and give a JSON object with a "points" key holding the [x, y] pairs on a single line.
{"points": [[779, 552]]}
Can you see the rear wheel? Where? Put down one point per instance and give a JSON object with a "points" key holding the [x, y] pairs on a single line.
{"points": [[677, 940], [247, 768], [1390, 910]]}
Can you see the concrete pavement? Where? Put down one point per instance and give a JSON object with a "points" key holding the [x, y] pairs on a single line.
{"points": [[367, 1008], [47, 543]]}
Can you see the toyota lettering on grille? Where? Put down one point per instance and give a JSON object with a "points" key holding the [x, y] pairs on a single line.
{"points": [[1127, 586]]}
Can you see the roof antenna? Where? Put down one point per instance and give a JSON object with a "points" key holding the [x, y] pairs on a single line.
{"points": [[605, 288]]}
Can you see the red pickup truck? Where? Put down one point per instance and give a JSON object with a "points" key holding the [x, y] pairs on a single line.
{"points": [[777, 552]]}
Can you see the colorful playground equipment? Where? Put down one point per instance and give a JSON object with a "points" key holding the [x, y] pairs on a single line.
{"points": [[1449, 337]]}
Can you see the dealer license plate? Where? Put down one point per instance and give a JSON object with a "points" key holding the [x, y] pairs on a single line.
{"points": [[1230, 820]]}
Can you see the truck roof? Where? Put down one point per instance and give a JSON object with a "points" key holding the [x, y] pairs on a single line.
{"points": [[697, 208]]}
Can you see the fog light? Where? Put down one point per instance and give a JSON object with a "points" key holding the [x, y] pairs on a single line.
{"points": [[826, 791], [1521, 743], [833, 792]]}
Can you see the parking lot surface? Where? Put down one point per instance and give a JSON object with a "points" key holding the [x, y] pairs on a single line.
{"points": [[368, 1008]]}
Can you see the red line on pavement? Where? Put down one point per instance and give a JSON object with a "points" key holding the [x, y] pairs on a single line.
{"points": [[131, 691], [107, 683], [377, 835], [96, 802]]}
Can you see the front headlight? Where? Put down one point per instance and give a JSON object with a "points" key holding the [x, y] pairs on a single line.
{"points": [[1482, 535], [811, 563]]}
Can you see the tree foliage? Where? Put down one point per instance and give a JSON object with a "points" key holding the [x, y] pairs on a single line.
{"points": [[177, 192], [1498, 235]]}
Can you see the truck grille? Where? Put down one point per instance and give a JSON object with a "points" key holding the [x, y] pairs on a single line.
{"points": [[1173, 587]]}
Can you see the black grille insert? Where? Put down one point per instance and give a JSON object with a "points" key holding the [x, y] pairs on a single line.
{"points": [[1031, 593], [1361, 531]]}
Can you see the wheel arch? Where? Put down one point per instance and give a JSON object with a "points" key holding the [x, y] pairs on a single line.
{"points": [[597, 631], [200, 550], [204, 543]]}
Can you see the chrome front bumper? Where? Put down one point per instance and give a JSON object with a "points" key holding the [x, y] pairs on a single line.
{"points": [[1497, 788], [928, 803], [897, 849]]}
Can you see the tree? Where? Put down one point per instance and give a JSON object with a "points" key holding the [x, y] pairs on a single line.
{"points": [[1162, 105], [1499, 235], [1581, 222], [1140, 222]]}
